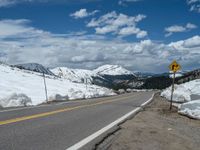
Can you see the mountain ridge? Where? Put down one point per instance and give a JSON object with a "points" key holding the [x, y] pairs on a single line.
{"points": [[114, 76]]}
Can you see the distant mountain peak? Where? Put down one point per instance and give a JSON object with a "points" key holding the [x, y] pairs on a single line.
{"points": [[75, 75], [35, 67], [112, 70]]}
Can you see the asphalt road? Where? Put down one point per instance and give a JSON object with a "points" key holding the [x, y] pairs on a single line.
{"points": [[61, 125]]}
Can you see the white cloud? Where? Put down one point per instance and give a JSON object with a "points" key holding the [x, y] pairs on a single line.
{"points": [[188, 43], [82, 13], [132, 30], [106, 29], [129, 31], [118, 24], [141, 34], [192, 42], [81, 51], [192, 1], [177, 28], [13, 27], [194, 5], [6, 3], [123, 2], [17, 28], [191, 26]]}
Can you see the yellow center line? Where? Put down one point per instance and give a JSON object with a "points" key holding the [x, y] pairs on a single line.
{"points": [[9, 121]]}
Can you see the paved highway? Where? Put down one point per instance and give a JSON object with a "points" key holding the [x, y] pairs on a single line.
{"points": [[60, 126]]}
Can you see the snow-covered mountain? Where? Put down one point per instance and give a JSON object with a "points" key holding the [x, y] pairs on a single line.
{"points": [[112, 70], [21, 87], [111, 76], [80, 74], [74, 75], [189, 76], [115, 76], [34, 67]]}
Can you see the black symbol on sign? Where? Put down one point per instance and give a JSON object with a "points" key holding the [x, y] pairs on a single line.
{"points": [[174, 67]]}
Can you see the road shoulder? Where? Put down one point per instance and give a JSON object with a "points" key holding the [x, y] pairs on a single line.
{"points": [[156, 128]]}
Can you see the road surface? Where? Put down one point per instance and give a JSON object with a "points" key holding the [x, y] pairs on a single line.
{"points": [[59, 126]]}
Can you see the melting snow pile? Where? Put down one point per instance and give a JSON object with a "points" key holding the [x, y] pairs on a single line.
{"points": [[182, 94], [191, 109], [20, 88]]}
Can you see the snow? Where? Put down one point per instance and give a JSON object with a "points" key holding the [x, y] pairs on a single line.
{"points": [[182, 94], [191, 109], [178, 74], [20, 87], [112, 70]]}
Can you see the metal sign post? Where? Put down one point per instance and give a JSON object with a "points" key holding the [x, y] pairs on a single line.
{"points": [[174, 67], [172, 90]]}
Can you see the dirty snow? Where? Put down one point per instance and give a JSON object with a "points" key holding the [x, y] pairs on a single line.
{"points": [[191, 109], [181, 94]]}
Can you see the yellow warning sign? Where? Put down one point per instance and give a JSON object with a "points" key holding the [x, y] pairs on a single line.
{"points": [[174, 66]]}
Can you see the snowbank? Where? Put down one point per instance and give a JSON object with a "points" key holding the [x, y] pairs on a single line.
{"points": [[182, 94], [19, 88], [16, 100], [191, 109]]}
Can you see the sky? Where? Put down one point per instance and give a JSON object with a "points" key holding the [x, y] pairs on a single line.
{"points": [[140, 35]]}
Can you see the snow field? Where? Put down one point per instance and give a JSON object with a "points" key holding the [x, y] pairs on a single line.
{"points": [[19, 88]]}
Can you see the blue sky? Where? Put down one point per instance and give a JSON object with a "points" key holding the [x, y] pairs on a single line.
{"points": [[143, 35]]}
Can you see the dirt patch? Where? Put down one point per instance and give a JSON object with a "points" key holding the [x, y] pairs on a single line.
{"points": [[157, 128]]}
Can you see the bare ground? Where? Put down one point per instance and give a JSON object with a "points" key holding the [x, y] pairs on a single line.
{"points": [[157, 128]]}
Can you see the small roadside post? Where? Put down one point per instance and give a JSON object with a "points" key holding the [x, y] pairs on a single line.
{"points": [[174, 67], [45, 86], [86, 83]]}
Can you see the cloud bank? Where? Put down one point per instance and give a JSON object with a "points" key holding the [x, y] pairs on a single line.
{"points": [[90, 51]]}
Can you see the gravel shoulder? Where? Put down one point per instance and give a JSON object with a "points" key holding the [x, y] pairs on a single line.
{"points": [[157, 128]]}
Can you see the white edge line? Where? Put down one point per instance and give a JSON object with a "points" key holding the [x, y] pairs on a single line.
{"points": [[108, 127], [147, 102]]}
